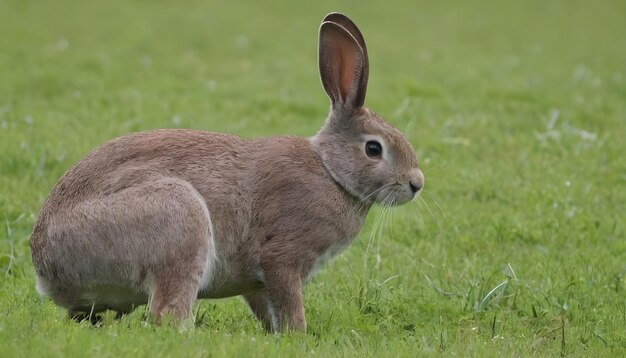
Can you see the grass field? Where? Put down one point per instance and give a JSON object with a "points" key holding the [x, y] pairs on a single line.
{"points": [[517, 112]]}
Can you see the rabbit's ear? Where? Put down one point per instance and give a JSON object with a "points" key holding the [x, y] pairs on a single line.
{"points": [[343, 66], [347, 24]]}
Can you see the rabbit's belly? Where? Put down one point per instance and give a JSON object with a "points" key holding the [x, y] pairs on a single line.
{"points": [[91, 298], [228, 281], [116, 298]]}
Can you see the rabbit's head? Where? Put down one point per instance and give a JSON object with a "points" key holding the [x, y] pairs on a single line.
{"points": [[366, 155]]}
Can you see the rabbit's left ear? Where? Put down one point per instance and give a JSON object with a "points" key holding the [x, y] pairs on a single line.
{"points": [[343, 66], [345, 22]]}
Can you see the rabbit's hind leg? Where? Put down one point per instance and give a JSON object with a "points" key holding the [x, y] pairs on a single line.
{"points": [[164, 246], [187, 252], [149, 242]]}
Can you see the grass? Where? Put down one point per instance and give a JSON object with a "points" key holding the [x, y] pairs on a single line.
{"points": [[517, 112]]}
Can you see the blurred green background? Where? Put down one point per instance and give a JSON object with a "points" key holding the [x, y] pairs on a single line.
{"points": [[517, 111]]}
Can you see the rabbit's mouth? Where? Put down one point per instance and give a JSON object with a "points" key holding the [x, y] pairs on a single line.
{"points": [[395, 194]]}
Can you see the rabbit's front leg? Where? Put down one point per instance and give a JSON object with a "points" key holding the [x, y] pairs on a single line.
{"points": [[284, 290], [263, 310]]}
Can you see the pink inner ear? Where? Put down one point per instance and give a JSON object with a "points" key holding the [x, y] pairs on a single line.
{"points": [[348, 62], [344, 53], [341, 65]]}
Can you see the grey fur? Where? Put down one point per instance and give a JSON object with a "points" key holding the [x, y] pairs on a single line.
{"points": [[168, 216]]}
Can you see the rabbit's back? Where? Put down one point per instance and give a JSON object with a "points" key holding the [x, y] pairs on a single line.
{"points": [[128, 160]]}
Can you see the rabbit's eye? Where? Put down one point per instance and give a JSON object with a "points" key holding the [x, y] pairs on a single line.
{"points": [[373, 149]]}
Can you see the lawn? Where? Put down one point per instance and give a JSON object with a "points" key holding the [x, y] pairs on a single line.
{"points": [[517, 111]]}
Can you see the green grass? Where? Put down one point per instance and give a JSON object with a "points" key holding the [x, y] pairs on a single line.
{"points": [[517, 112]]}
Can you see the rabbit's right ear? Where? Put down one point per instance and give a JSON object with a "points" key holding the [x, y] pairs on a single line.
{"points": [[343, 66]]}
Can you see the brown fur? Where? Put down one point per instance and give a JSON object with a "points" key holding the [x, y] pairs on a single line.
{"points": [[168, 216]]}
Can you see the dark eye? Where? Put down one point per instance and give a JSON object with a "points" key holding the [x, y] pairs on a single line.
{"points": [[373, 149]]}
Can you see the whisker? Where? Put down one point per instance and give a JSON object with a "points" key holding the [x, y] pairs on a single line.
{"points": [[370, 240], [389, 217], [384, 220], [358, 207], [362, 202], [430, 168], [420, 208], [434, 199], [376, 227], [376, 190], [376, 230], [408, 125], [427, 207], [391, 214]]}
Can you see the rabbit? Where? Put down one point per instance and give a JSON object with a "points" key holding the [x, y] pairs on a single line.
{"points": [[168, 216]]}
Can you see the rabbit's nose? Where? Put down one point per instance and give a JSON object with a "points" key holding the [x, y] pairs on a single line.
{"points": [[415, 186], [416, 181]]}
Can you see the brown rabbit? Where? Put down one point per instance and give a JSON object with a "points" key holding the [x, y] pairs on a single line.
{"points": [[168, 216]]}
